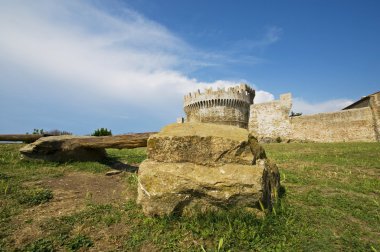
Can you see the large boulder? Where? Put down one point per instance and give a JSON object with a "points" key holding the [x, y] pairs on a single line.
{"points": [[197, 166]]}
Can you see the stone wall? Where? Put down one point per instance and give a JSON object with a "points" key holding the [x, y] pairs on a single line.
{"points": [[375, 107], [240, 93], [235, 115], [353, 125], [359, 124], [271, 119]]}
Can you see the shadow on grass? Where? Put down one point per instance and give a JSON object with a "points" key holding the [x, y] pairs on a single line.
{"points": [[116, 164], [281, 191]]}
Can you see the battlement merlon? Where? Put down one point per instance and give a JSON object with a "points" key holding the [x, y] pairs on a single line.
{"points": [[286, 100], [242, 92]]}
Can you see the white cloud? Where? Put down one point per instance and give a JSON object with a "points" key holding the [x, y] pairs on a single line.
{"points": [[306, 108], [84, 57], [263, 96], [120, 57], [81, 55], [129, 58]]}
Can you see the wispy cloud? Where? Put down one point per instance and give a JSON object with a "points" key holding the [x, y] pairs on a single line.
{"points": [[271, 35], [71, 63], [245, 51], [71, 54]]}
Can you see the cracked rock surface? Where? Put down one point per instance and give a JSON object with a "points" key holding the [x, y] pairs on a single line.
{"points": [[197, 166]]}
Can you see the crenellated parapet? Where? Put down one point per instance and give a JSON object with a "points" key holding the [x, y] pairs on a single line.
{"points": [[230, 107], [242, 93]]}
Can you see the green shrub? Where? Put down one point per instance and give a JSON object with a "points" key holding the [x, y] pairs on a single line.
{"points": [[38, 132], [54, 132], [102, 132], [293, 114]]}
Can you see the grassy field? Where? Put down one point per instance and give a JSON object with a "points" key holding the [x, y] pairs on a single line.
{"points": [[331, 203]]}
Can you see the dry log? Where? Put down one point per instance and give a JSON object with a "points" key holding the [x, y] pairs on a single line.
{"points": [[29, 138], [81, 148], [128, 141]]}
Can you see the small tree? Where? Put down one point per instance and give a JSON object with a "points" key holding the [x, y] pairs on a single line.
{"points": [[38, 132], [54, 132], [292, 114], [102, 132], [57, 132]]}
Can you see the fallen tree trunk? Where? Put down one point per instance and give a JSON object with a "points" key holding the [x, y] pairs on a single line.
{"points": [[128, 141], [81, 148], [28, 138]]}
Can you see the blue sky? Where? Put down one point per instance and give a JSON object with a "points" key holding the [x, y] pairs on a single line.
{"points": [[125, 65]]}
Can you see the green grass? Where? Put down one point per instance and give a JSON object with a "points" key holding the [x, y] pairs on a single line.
{"points": [[34, 196], [331, 203], [131, 156], [335, 189]]}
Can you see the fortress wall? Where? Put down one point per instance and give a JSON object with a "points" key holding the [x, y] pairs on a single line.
{"points": [[346, 125], [241, 92], [271, 119], [228, 107], [215, 96], [375, 106]]}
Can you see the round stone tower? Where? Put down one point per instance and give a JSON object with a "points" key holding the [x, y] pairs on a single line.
{"points": [[229, 107]]}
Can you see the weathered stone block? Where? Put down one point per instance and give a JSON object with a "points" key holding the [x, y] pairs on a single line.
{"points": [[207, 166], [167, 188], [200, 143]]}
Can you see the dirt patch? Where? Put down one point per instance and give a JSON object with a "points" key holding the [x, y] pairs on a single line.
{"points": [[71, 193], [84, 186]]}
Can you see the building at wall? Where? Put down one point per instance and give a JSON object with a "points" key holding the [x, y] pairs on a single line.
{"points": [[228, 107]]}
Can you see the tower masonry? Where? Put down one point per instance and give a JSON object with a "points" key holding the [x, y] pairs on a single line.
{"points": [[228, 107]]}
